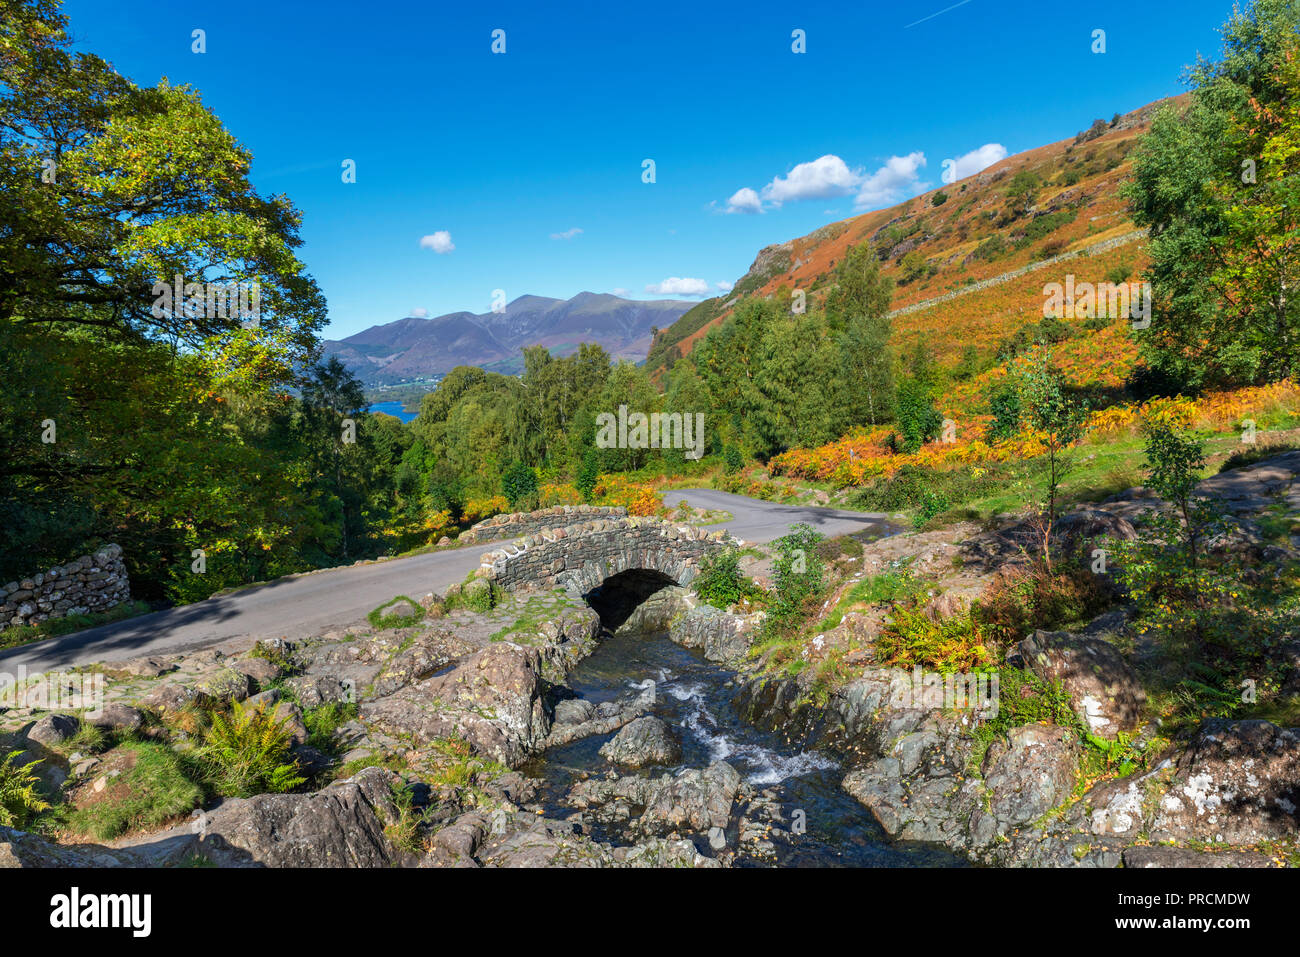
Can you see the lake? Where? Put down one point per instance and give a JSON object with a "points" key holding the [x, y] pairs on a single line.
{"points": [[392, 408]]}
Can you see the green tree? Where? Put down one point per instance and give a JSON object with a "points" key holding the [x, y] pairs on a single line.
{"points": [[1059, 420], [1218, 187], [857, 313]]}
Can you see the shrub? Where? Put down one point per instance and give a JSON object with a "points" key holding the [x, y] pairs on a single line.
{"points": [[939, 198], [1018, 604], [799, 577], [519, 483], [733, 460], [1004, 403], [1024, 698], [246, 752], [19, 801], [932, 504], [918, 419], [588, 474], [720, 581], [991, 248]]}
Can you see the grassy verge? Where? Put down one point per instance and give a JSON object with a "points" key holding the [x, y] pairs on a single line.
{"points": [[25, 634]]}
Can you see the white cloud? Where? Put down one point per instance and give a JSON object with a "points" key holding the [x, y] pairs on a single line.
{"points": [[676, 286], [440, 242], [744, 200], [567, 234], [829, 176], [419, 313], [826, 176], [975, 161], [724, 286], [620, 291], [894, 181]]}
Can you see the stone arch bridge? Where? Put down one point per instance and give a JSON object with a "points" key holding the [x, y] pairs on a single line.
{"points": [[581, 557]]}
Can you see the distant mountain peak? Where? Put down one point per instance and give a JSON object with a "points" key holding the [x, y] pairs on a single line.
{"points": [[417, 348]]}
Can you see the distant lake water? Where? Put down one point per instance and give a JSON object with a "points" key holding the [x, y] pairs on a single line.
{"points": [[392, 408]]}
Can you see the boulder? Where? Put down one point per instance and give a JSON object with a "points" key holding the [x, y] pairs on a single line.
{"points": [[641, 742], [225, 685], [493, 699], [720, 635], [117, 717], [22, 849], [1029, 773], [262, 671], [53, 729], [312, 691], [170, 697], [1145, 857], [1104, 690], [1083, 530], [1238, 782], [340, 826], [574, 711], [694, 800]]}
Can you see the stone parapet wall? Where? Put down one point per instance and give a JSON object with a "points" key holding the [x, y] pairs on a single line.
{"points": [[580, 557], [516, 524], [91, 583]]}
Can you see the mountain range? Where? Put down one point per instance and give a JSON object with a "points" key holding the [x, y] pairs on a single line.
{"points": [[418, 348]]}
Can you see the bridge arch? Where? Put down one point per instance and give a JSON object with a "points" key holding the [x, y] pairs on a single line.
{"points": [[582, 557]]}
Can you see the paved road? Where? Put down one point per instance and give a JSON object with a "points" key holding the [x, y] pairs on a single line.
{"points": [[311, 604]]}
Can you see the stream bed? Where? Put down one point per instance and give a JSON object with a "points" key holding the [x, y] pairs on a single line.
{"points": [[693, 697]]}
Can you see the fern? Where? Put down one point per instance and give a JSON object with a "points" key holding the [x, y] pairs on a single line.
{"points": [[246, 752], [19, 801]]}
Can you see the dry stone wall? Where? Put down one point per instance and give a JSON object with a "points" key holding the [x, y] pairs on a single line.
{"points": [[515, 524], [92, 583]]}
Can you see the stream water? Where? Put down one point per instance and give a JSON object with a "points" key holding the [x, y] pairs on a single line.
{"points": [[693, 696]]}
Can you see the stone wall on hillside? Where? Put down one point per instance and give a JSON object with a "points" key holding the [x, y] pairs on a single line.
{"points": [[518, 524], [91, 583]]}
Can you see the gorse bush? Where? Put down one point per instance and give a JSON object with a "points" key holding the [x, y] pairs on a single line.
{"points": [[19, 800], [246, 751]]}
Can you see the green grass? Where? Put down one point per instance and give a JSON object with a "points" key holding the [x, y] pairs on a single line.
{"points": [[25, 634], [1101, 467], [379, 621], [888, 587], [158, 789], [323, 723]]}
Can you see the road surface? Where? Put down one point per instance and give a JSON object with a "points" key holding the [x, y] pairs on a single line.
{"points": [[305, 605]]}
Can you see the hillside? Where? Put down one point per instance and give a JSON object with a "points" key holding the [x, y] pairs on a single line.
{"points": [[959, 263], [418, 348]]}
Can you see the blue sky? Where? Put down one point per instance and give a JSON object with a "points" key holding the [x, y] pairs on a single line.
{"points": [[511, 154]]}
